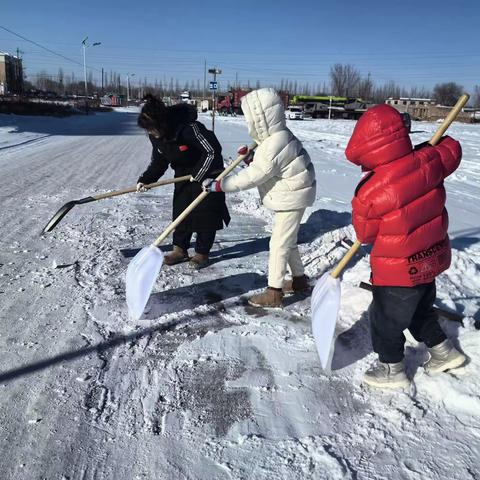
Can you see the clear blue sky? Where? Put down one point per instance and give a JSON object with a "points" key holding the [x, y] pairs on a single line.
{"points": [[413, 42]]}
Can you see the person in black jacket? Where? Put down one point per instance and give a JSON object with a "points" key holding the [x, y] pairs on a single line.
{"points": [[189, 148]]}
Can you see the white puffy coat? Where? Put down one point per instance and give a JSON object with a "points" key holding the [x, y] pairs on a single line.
{"points": [[281, 168]]}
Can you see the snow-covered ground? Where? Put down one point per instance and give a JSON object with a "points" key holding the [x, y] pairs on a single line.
{"points": [[204, 387]]}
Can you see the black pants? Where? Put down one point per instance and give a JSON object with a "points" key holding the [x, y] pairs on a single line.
{"points": [[203, 243], [394, 309]]}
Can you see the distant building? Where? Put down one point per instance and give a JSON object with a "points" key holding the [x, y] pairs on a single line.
{"points": [[403, 102], [416, 107], [426, 109], [11, 74]]}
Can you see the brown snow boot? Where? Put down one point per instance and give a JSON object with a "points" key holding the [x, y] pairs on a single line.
{"points": [[177, 255], [297, 285], [270, 298], [198, 261]]}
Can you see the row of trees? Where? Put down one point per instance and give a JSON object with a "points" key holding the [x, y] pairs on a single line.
{"points": [[65, 85], [345, 81]]}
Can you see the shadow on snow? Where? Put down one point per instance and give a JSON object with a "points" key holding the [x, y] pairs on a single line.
{"points": [[206, 293], [107, 124], [318, 223]]}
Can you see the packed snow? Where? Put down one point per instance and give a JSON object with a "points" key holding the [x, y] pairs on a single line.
{"points": [[204, 386]]}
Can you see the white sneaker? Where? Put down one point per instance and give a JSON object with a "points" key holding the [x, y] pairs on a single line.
{"points": [[444, 356], [386, 375]]}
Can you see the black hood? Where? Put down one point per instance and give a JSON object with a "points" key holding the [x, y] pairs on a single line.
{"points": [[178, 116]]}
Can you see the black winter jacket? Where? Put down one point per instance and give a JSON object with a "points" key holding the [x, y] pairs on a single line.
{"points": [[190, 149]]}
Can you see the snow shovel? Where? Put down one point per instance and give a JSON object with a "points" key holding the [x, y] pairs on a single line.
{"points": [[56, 219], [325, 301], [143, 270]]}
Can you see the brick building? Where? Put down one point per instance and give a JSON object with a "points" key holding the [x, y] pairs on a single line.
{"points": [[11, 74]]}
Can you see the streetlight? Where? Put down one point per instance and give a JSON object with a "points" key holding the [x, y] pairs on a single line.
{"points": [[128, 86], [85, 45], [213, 87]]}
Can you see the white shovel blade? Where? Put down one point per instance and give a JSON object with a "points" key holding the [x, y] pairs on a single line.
{"points": [[141, 275], [325, 307]]}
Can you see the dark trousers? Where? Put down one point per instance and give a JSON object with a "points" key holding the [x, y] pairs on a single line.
{"points": [[203, 243], [394, 309]]}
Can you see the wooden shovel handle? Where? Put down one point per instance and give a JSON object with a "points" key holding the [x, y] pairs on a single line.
{"points": [[200, 198], [148, 187], [433, 141], [346, 258], [449, 119]]}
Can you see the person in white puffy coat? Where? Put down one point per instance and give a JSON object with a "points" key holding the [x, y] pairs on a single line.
{"points": [[285, 177]]}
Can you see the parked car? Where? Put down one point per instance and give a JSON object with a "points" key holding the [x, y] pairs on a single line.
{"points": [[294, 113]]}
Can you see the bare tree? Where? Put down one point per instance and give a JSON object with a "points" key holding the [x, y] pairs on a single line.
{"points": [[447, 93], [365, 88], [422, 92], [61, 81], [387, 90], [344, 80]]}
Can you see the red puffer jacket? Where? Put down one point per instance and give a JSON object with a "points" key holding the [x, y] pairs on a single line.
{"points": [[399, 206]]}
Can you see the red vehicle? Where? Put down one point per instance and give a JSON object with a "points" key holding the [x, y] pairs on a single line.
{"points": [[225, 106], [238, 93]]}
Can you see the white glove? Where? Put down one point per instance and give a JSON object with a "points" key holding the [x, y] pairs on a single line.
{"points": [[209, 185], [141, 187]]}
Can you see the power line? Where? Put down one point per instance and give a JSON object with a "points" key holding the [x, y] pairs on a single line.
{"points": [[330, 52], [266, 68], [45, 48]]}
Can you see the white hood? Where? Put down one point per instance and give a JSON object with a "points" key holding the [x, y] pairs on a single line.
{"points": [[264, 113], [281, 168]]}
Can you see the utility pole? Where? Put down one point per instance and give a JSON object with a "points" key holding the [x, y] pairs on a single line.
{"points": [[85, 45], [19, 71], [369, 90], [204, 80], [128, 86], [213, 87]]}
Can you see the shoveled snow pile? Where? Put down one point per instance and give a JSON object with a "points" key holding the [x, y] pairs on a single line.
{"points": [[205, 387]]}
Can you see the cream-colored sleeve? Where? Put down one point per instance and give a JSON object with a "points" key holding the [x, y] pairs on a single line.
{"points": [[259, 171]]}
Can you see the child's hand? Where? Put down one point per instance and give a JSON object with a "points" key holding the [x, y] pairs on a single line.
{"points": [[141, 187]]}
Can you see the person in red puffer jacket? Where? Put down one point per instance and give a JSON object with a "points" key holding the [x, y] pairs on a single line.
{"points": [[399, 208]]}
